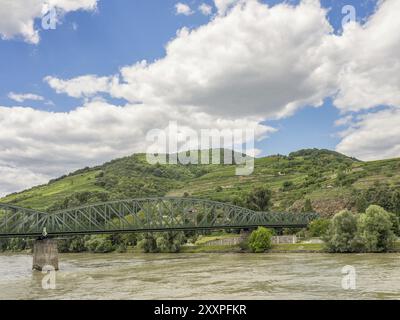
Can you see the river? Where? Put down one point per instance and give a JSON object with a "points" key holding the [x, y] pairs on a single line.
{"points": [[204, 276]]}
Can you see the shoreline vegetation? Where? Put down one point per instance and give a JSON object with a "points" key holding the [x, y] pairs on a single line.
{"points": [[315, 248], [203, 247]]}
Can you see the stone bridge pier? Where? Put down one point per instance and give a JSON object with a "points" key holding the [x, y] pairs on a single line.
{"points": [[45, 253]]}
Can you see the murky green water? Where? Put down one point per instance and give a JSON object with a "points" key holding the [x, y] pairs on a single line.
{"points": [[204, 276]]}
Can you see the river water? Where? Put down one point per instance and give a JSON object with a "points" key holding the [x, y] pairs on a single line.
{"points": [[204, 276]]}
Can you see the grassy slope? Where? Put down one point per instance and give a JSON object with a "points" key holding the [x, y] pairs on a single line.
{"points": [[312, 174], [44, 196]]}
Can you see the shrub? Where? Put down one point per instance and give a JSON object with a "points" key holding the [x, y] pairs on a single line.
{"points": [[260, 240], [170, 242], [148, 244], [318, 227], [259, 199], [287, 185], [121, 248], [342, 231], [99, 244], [308, 206], [77, 244], [375, 229]]}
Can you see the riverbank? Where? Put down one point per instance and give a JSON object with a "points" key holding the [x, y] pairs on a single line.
{"points": [[276, 248], [203, 248]]}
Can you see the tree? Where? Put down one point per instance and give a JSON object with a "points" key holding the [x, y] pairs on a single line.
{"points": [[396, 202], [99, 244], [287, 185], [308, 206], [260, 240], [319, 227], [148, 243], [170, 242], [375, 229], [342, 232], [259, 199]]}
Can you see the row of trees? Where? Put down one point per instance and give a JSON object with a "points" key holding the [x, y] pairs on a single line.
{"points": [[147, 242], [372, 231]]}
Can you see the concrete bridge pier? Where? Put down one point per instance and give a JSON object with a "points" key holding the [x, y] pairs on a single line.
{"points": [[45, 253]]}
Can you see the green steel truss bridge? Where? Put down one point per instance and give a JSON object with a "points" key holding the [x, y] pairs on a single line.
{"points": [[141, 215]]}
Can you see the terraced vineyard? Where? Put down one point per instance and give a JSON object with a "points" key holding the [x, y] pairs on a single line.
{"points": [[331, 181]]}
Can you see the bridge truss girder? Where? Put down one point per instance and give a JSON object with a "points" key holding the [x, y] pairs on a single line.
{"points": [[142, 215]]}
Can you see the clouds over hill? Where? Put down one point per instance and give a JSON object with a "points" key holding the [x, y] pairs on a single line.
{"points": [[248, 64]]}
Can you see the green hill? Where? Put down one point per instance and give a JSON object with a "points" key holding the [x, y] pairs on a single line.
{"points": [[331, 181]]}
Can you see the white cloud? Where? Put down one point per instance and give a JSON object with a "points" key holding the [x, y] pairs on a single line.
{"points": [[223, 5], [370, 61], [182, 8], [373, 136], [72, 5], [13, 178], [244, 63], [205, 9], [369, 57], [17, 17], [49, 144], [21, 97], [344, 121], [84, 86]]}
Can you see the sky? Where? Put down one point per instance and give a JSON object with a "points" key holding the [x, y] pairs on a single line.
{"points": [[84, 81]]}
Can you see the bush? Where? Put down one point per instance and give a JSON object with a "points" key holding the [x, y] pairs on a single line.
{"points": [[287, 185], [342, 232], [318, 227], [99, 244], [260, 240], [121, 248], [375, 229], [259, 199], [77, 244], [308, 206], [170, 242], [148, 244]]}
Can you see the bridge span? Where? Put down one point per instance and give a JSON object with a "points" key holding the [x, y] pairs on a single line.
{"points": [[160, 214]]}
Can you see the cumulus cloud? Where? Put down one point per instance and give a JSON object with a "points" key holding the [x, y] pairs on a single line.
{"points": [[17, 17], [83, 86], [244, 63], [205, 9], [21, 97], [13, 178], [369, 77], [373, 136], [223, 5], [369, 55], [49, 144], [182, 8]]}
